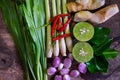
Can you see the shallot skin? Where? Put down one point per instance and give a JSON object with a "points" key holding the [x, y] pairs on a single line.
{"points": [[56, 61]]}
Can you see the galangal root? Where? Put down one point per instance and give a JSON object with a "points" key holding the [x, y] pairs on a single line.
{"points": [[97, 17], [85, 5]]}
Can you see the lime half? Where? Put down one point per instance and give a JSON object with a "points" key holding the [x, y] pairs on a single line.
{"points": [[83, 31], [82, 52]]}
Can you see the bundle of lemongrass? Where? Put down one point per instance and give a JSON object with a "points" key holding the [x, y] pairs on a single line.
{"points": [[25, 20], [58, 7]]}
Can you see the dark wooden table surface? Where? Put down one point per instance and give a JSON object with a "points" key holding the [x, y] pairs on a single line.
{"points": [[10, 64]]}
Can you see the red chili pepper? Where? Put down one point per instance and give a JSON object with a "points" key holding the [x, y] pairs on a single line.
{"points": [[60, 15], [54, 25], [59, 24], [63, 15], [59, 37], [65, 25], [52, 19]]}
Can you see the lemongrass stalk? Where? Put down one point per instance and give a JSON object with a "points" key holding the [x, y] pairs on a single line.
{"points": [[67, 30], [56, 46], [62, 44], [15, 26], [49, 42]]}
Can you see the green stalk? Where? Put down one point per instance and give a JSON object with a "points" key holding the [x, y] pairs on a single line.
{"points": [[30, 24], [15, 27], [49, 42], [54, 13], [28, 37], [62, 40], [35, 15], [67, 30], [38, 22]]}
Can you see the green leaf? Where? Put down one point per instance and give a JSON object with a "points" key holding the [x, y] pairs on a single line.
{"points": [[97, 64], [99, 49], [101, 44], [110, 53], [22, 19], [101, 33], [15, 27]]}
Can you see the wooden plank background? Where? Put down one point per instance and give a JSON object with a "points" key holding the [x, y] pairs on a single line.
{"points": [[10, 65]]}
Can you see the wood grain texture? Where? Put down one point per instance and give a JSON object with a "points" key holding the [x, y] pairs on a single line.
{"points": [[10, 64]]}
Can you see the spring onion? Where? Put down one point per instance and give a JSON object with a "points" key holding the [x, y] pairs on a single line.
{"points": [[35, 16]]}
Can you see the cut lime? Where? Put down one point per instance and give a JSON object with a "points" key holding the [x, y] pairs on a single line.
{"points": [[83, 31], [82, 52]]}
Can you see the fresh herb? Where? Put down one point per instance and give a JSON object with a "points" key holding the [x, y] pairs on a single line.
{"points": [[22, 19], [97, 64], [99, 49], [101, 33], [101, 43], [110, 53], [34, 15], [15, 26]]}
